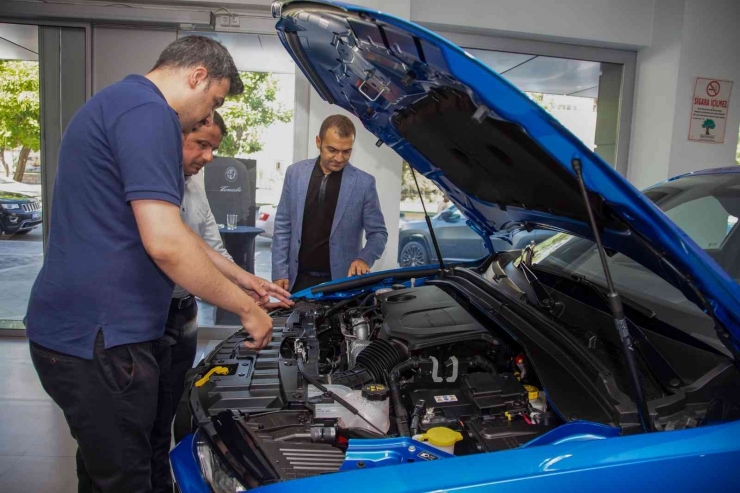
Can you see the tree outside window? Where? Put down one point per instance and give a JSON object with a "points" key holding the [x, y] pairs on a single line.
{"points": [[20, 127], [249, 114]]}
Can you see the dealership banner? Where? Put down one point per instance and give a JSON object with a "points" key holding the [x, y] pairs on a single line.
{"points": [[709, 110]]}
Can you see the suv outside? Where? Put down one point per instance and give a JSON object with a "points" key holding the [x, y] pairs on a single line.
{"points": [[19, 213], [457, 241]]}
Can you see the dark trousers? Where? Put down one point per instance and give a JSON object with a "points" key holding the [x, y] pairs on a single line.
{"points": [[306, 280], [181, 331], [118, 407]]}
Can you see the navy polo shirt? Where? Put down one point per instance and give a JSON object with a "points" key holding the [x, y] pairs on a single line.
{"points": [[124, 144]]}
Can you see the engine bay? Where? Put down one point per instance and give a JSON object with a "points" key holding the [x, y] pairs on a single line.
{"points": [[406, 363], [400, 374]]}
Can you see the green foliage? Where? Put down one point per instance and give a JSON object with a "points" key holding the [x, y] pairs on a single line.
{"points": [[248, 115], [539, 98], [429, 190], [19, 105]]}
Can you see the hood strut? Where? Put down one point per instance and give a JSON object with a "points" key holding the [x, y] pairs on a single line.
{"points": [[429, 222], [615, 304]]}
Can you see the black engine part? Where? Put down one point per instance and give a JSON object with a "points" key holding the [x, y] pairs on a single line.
{"points": [[495, 394], [293, 445], [373, 365], [501, 434], [427, 316]]}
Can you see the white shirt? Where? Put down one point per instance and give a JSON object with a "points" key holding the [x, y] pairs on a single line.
{"points": [[196, 213]]}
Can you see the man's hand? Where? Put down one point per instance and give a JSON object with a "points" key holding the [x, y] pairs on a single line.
{"points": [[261, 290], [259, 325], [268, 307], [283, 283], [358, 268]]}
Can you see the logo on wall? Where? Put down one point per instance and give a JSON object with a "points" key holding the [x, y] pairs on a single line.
{"points": [[231, 173]]}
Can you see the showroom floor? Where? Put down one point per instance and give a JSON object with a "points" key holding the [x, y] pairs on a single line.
{"points": [[37, 454]]}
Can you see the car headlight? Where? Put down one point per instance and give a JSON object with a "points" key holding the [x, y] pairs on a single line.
{"points": [[10, 207], [214, 471]]}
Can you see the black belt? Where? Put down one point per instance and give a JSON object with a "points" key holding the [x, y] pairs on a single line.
{"points": [[311, 273], [182, 303]]}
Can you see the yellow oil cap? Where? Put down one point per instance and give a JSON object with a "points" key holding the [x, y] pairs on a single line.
{"points": [[441, 436], [533, 391]]}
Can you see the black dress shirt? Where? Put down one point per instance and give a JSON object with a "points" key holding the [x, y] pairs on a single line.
{"points": [[318, 216]]}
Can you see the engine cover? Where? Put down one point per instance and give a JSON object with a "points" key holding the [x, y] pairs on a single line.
{"points": [[427, 316]]}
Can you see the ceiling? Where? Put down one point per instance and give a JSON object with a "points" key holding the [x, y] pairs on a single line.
{"points": [[254, 52], [547, 75], [19, 42], [264, 53]]}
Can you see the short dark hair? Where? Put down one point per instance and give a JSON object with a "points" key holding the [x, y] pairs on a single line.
{"points": [[340, 123], [199, 50], [220, 123]]}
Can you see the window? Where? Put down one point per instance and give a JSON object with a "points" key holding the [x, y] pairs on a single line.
{"points": [[705, 220], [21, 248], [597, 83]]}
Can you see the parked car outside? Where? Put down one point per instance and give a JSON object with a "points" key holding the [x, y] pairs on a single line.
{"points": [[19, 213], [457, 242], [266, 219]]}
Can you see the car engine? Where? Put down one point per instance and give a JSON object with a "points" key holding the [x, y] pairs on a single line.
{"points": [[406, 362]]}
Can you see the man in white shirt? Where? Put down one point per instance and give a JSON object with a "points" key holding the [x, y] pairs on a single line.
{"points": [[182, 321]]}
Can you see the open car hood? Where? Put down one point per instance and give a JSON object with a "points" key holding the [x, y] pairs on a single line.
{"points": [[486, 144]]}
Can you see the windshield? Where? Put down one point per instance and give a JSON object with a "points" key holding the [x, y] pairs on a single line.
{"points": [[706, 207]]}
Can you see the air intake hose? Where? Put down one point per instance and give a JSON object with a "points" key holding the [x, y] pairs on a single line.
{"points": [[482, 363], [372, 366], [402, 417]]}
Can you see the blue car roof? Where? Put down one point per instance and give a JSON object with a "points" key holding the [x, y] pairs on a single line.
{"points": [[486, 144]]}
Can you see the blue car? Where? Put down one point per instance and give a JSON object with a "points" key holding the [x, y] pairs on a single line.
{"points": [[504, 374]]}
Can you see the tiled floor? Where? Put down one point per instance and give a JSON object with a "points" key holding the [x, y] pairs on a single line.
{"points": [[37, 454]]}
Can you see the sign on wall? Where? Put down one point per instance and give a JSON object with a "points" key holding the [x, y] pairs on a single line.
{"points": [[709, 110]]}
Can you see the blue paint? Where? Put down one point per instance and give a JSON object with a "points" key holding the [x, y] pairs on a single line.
{"points": [[576, 431], [185, 468], [382, 452], [702, 459]]}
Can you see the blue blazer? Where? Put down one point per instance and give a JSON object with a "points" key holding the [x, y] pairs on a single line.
{"points": [[358, 209]]}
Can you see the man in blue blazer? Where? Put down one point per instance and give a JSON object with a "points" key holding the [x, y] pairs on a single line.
{"points": [[325, 205]]}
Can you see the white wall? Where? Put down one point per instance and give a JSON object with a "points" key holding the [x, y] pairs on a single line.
{"points": [[710, 48], [594, 22], [19, 42], [383, 163], [655, 97], [692, 38], [118, 52]]}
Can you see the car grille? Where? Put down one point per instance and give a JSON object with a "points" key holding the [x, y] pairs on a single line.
{"points": [[31, 207]]}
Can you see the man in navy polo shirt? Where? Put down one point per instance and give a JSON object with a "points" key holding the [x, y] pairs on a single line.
{"points": [[116, 244]]}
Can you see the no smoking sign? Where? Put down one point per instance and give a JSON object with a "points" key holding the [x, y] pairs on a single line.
{"points": [[709, 106], [713, 88]]}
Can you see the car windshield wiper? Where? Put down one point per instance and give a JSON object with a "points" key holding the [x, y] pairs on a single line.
{"points": [[598, 288], [542, 296]]}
